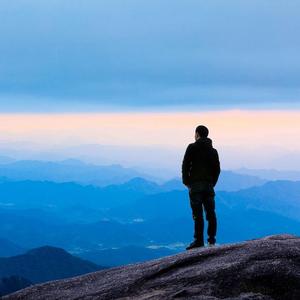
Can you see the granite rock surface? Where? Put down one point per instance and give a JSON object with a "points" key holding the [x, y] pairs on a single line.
{"points": [[267, 268]]}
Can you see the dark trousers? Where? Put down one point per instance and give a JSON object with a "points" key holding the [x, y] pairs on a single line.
{"points": [[202, 196]]}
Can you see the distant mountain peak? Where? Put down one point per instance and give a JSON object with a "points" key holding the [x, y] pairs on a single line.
{"points": [[48, 250], [44, 264], [140, 180], [6, 159], [73, 162], [142, 185]]}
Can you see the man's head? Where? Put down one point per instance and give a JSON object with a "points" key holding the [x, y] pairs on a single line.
{"points": [[201, 132]]}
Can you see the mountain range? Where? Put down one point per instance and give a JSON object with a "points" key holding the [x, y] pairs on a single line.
{"points": [[271, 174], [70, 170], [76, 171], [125, 221], [137, 213]]}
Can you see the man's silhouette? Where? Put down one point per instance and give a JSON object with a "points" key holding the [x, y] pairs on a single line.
{"points": [[200, 173]]}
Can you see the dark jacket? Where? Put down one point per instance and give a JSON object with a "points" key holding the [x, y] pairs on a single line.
{"points": [[200, 163]]}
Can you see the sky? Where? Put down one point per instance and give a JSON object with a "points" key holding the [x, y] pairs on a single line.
{"points": [[134, 74], [125, 55], [152, 140], [233, 128]]}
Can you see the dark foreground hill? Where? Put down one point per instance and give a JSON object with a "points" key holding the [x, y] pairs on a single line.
{"points": [[13, 283], [44, 264], [267, 268]]}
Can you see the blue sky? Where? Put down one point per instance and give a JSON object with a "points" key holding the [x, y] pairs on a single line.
{"points": [[87, 55]]}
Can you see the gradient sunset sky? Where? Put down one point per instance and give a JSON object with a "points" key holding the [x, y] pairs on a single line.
{"points": [[136, 73]]}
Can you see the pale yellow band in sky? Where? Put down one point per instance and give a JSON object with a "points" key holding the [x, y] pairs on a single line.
{"points": [[228, 128]]}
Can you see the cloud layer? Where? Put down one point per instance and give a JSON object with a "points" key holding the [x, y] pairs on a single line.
{"points": [[65, 55]]}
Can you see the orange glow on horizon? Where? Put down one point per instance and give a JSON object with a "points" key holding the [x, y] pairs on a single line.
{"points": [[230, 128]]}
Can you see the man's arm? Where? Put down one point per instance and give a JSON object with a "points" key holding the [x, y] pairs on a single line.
{"points": [[186, 165], [216, 167]]}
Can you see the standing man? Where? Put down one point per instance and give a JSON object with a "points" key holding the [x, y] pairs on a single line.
{"points": [[200, 173]]}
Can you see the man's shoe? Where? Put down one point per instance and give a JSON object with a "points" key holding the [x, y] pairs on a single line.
{"points": [[194, 244], [211, 242]]}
